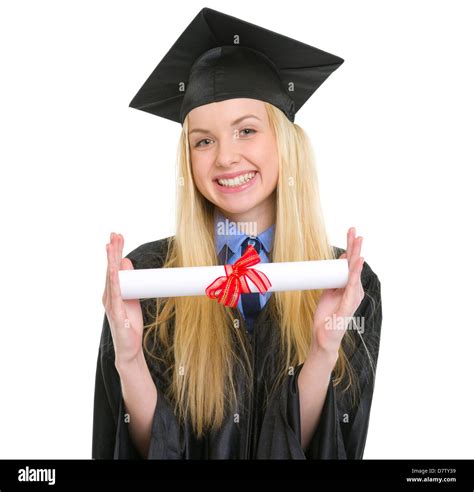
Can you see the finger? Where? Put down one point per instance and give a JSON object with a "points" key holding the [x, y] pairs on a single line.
{"points": [[120, 251], [115, 244], [350, 300], [117, 307], [350, 240], [126, 264], [108, 248], [358, 245], [356, 249], [354, 272], [358, 283], [106, 287], [354, 282]]}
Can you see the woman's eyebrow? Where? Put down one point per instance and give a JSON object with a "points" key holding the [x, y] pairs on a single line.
{"points": [[236, 122]]}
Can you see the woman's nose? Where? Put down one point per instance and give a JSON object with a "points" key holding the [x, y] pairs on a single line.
{"points": [[227, 152]]}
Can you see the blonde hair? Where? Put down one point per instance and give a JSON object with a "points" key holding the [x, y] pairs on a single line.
{"points": [[203, 350]]}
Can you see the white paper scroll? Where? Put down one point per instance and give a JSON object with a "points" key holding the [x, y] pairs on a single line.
{"points": [[192, 281]]}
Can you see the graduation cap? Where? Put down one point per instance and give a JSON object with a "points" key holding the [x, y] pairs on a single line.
{"points": [[220, 57]]}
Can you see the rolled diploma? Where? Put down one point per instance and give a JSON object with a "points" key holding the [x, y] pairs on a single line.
{"points": [[192, 281]]}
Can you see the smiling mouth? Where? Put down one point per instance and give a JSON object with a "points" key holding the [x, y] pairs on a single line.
{"points": [[238, 180]]}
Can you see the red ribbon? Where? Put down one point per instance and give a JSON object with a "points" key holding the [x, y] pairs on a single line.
{"points": [[228, 289]]}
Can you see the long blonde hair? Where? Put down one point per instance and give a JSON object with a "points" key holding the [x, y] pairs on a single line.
{"points": [[198, 341]]}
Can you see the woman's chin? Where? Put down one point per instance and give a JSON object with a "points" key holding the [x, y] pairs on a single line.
{"points": [[235, 206]]}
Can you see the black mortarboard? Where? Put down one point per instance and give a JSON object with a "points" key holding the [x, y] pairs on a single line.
{"points": [[220, 57]]}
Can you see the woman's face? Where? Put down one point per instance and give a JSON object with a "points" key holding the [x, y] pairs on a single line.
{"points": [[234, 154]]}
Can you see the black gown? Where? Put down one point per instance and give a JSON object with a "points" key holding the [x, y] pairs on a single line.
{"points": [[263, 431]]}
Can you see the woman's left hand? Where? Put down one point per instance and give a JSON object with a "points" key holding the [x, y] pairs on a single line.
{"points": [[337, 306]]}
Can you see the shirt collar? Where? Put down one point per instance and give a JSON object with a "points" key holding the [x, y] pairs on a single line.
{"points": [[235, 240]]}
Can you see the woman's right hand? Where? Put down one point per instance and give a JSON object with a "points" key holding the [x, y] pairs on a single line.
{"points": [[125, 317]]}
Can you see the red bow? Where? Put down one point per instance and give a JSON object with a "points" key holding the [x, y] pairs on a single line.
{"points": [[235, 282]]}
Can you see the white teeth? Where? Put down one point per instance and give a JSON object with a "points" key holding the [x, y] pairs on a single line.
{"points": [[237, 181]]}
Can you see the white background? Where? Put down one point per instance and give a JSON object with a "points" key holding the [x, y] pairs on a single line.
{"points": [[392, 132]]}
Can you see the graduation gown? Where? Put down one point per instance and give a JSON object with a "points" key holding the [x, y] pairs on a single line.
{"points": [[263, 431]]}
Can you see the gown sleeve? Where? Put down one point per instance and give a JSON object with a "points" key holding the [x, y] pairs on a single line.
{"points": [[343, 425], [110, 437], [110, 434]]}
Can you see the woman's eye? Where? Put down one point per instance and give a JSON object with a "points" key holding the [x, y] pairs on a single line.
{"points": [[204, 140], [248, 130]]}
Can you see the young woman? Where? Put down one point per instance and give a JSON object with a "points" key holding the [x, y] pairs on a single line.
{"points": [[283, 375]]}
